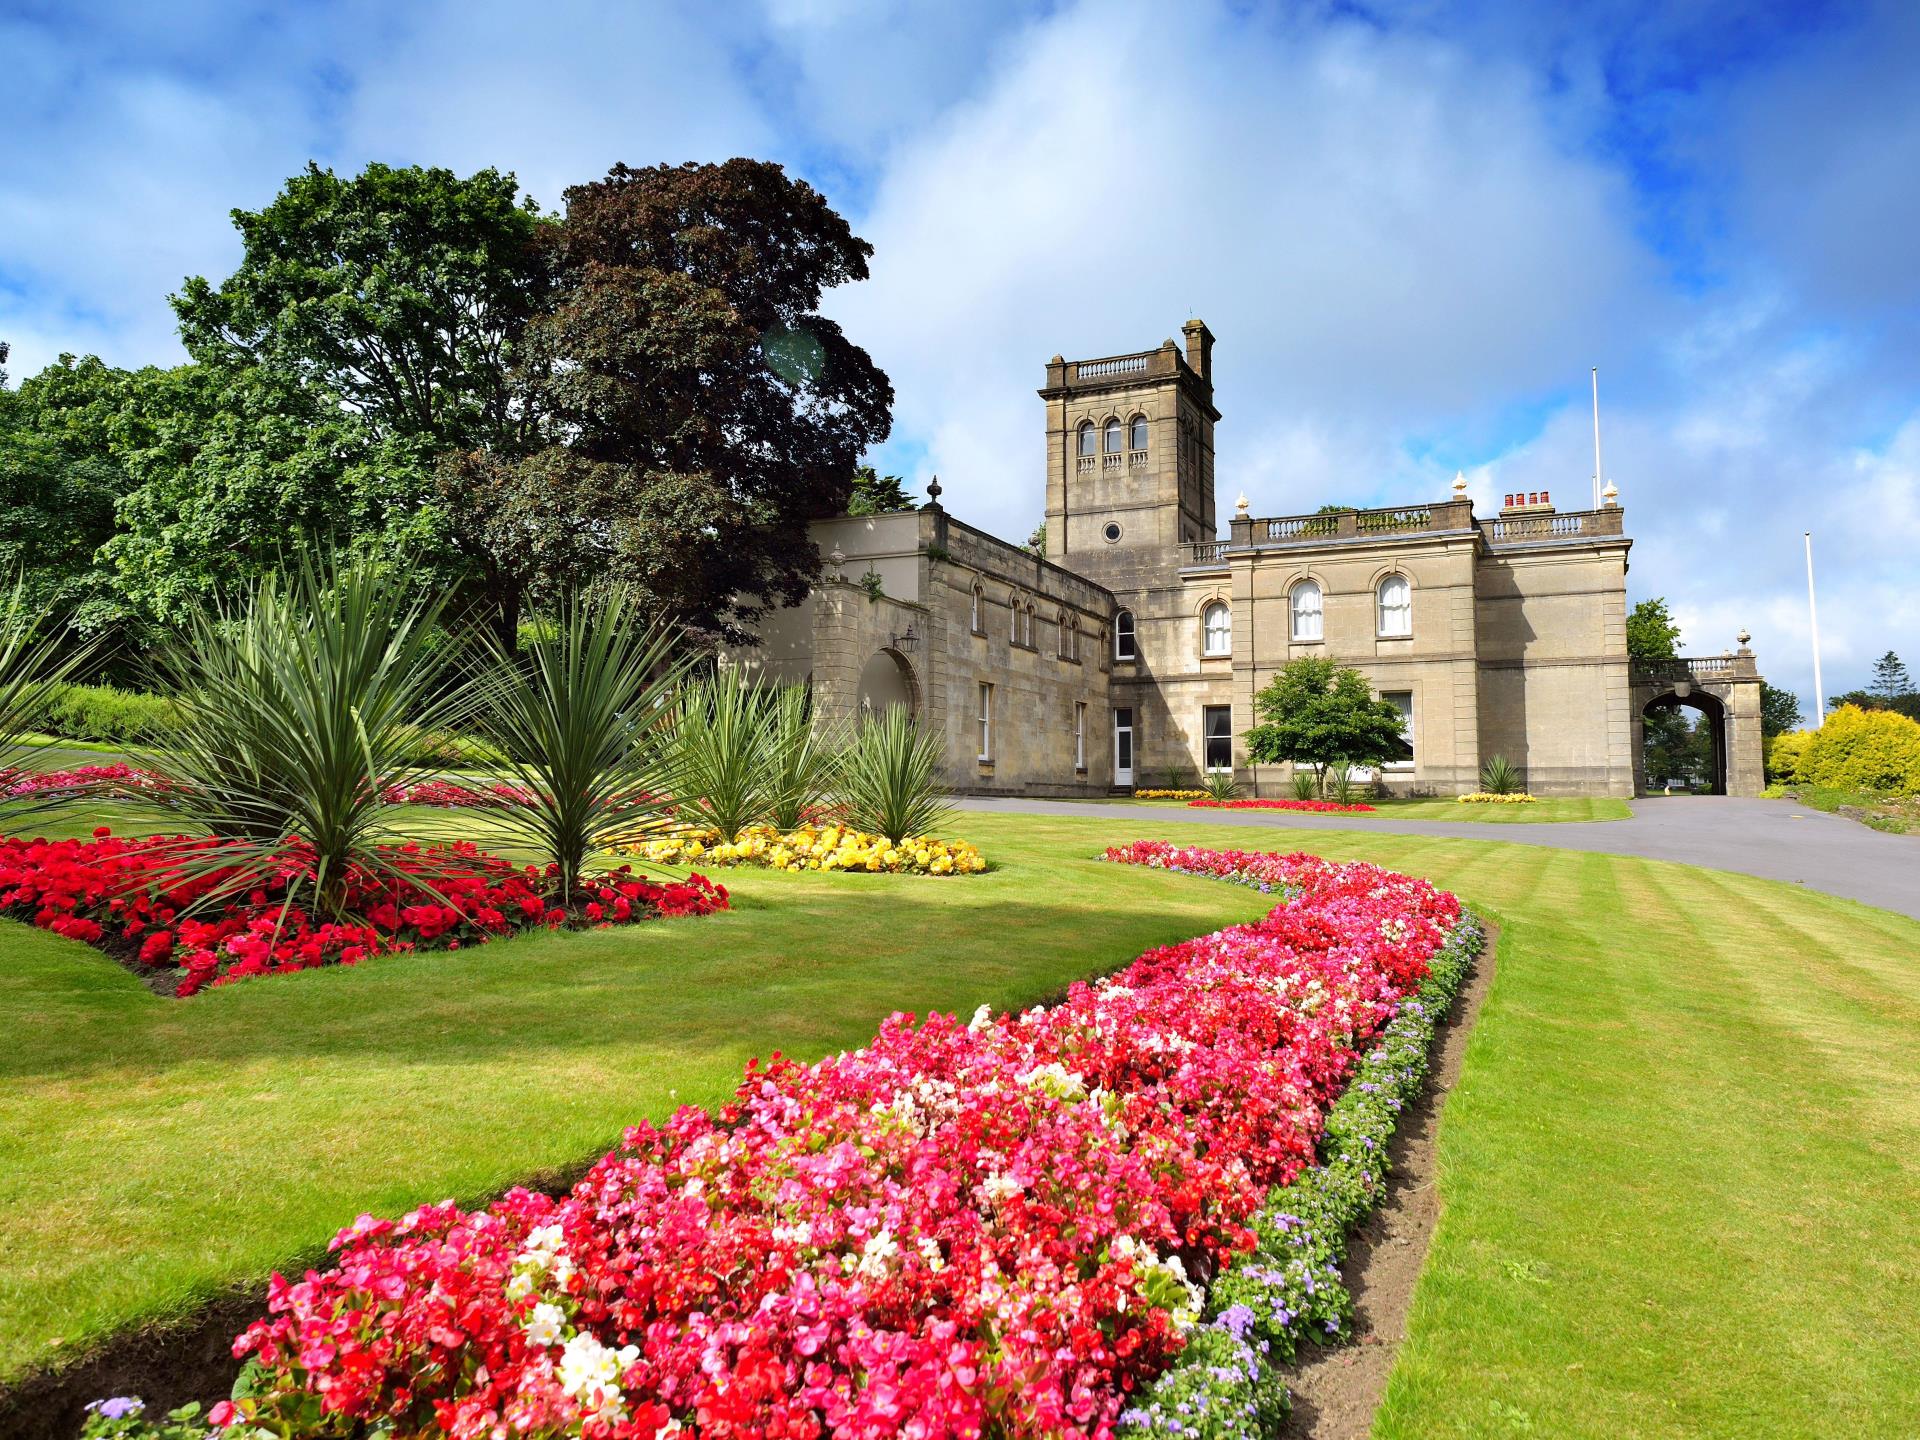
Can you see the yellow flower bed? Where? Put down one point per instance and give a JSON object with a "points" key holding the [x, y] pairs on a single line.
{"points": [[1169, 794], [1481, 797], [815, 847]]}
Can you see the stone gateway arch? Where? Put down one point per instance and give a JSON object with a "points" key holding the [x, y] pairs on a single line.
{"points": [[1725, 690]]}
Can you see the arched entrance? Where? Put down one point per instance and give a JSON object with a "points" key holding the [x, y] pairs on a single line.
{"points": [[886, 680], [1683, 743]]}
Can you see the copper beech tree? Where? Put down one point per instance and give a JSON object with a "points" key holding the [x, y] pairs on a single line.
{"points": [[698, 410]]}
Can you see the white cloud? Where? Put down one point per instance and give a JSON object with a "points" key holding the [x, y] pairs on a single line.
{"points": [[1379, 229]]}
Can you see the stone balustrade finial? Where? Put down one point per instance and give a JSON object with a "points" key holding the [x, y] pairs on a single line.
{"points": [[1459, 483], [1240, 505]]}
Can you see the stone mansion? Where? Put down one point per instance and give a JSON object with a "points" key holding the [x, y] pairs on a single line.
{"points": [[1130, 655]]}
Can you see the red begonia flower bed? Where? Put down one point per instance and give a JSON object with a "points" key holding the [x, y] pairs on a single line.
{"points": [[1314, 807], [995, 1228], [129, 897]]}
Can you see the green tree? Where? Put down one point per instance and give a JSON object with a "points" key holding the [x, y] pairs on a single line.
{"points": [[1779, 710], [875, 494], [59, 483], [1037, 541], [1652, 632], [1907, 705], [704, 411], [384, 314], [1679, 748], [402, 293], [1317, 713], [1890, 678]]}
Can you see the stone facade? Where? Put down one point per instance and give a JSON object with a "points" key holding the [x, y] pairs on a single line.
{"points": [[1131, 654]]}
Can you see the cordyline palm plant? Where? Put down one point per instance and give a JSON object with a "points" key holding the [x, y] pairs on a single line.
{"points": [[299, 708], [32, 662], [801, 759], [890, 777], [581, 715], [721, 761]]}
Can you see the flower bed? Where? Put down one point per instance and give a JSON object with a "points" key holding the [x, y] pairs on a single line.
{"points": [[1482, 797], [1169, 794], [120, 779], [1313, 807], [1000, 1227], [132, 898], [452, 795], [814, 847]]}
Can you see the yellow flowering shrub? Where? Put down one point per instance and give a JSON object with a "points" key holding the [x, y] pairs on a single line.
{"points": [[1169, 794], [1862, 750], [814, 847], [1482, 797]]}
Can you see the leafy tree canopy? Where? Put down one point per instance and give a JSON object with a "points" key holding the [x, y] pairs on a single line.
{"points": [[877, 494], [1652, 632], [703, 410], [1317, 713], [402, 292], [1779, 710], [1907, 705]]}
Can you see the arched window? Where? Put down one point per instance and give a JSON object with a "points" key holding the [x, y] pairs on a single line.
{"points": [[1137, 439], [1396, 606], [979, 595], [1216, 630], [1030, 624], [1086, 437], [1113, 437], [1064, 634], [1307, 621], [1123, 636], [1013, 617]]}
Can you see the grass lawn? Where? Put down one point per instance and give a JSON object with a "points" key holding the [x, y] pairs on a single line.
{"points": [[1678, 1171]]}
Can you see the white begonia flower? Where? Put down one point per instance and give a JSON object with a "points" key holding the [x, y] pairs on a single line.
{"points": [[877, 1255], [545, 1325], [930, 1252], [982, 1018], [590, 1372]]}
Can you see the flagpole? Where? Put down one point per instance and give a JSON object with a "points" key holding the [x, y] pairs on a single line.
{"points": [[1597, 481], [1813, 622]]}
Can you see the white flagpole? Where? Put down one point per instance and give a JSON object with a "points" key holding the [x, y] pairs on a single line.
{"points": [[1597, 481], [1813, 622]]}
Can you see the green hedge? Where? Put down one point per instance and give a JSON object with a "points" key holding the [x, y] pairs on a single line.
{"points": [[108, 715]]}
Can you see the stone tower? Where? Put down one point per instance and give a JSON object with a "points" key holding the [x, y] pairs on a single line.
{"points": [[1130, 456]]}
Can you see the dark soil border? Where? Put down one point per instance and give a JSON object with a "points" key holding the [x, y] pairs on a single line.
{"points": [[1337, 1389]]}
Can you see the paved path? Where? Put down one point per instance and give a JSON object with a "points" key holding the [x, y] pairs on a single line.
{"points": [[1774, 839]]}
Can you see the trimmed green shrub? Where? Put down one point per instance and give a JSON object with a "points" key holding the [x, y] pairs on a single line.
{"points": [[107, 715], [1863, 750]]}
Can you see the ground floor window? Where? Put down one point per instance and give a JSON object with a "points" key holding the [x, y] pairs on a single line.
{"points": [[1217, 725], [986, 721], [1402, 700], [1079, 735]]}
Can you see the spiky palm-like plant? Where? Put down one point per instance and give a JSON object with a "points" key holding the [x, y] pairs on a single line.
{"points": [[581, 714], [1498, 777], [890, 777], [32, 662], [719, 755], [1220, 785], [801, 758], [299, 709], [1345, 789], [1306, 785]]}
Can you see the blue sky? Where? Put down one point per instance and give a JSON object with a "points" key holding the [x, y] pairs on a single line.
{"points": [[1412, 225]]}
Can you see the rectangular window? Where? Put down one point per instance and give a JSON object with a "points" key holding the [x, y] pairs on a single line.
{"points": [[1079, 735], [1217, 723], [986, 721], [1402, 700]]}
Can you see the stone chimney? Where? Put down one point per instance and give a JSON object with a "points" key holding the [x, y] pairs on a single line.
{"points": [[1199, 349]]}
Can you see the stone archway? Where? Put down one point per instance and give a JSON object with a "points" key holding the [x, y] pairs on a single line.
{"points": [[887, 679], [1723, 688], [1713, 721]]}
